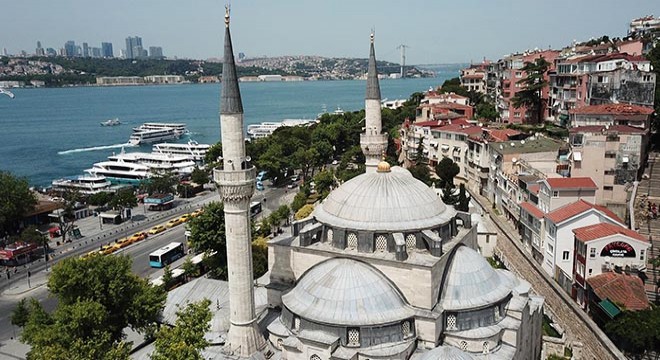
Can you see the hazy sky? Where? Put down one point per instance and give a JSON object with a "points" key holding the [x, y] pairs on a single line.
{"points": [[436, 31]]}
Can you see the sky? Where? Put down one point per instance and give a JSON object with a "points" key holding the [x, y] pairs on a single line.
{"points": [[435, 31]]}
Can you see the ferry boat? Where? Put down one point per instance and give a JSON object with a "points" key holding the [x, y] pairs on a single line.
{"points": [[264, 129], [111, 122], [154, 132], [180, 165], [85, 184], [120, 172], [192, 148]]}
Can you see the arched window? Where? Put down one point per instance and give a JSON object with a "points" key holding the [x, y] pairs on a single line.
{"points": [[486, 347], [314, 357], [352, 241], [406, 329], [463, 345], [329, 235], [381, 243], [296, 323], [451, 322], [280, 344], [353, 337], [411, 242]]}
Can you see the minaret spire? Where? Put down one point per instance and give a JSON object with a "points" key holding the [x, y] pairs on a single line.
{"points": [[373, 143], [236, 183]]}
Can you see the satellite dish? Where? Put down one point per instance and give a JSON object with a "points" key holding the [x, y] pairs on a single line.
{"points": [[248, 158], [522, 142], [501, 147], [513, 144], [513, 160]]}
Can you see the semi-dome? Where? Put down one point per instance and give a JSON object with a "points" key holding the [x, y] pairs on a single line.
{"points": [[472, 283], [446, 353], [346, 292], [384, 201]]}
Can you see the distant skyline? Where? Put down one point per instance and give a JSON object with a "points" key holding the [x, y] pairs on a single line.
{"points": [[435, 31]]}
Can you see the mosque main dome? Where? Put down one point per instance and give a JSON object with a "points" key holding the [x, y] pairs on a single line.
{"points": [[388, 200]]}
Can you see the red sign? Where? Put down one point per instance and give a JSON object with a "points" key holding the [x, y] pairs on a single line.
{"points": [[618, 249]]}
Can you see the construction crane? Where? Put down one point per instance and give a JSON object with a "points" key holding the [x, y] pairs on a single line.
{"points": [[403, 47]]}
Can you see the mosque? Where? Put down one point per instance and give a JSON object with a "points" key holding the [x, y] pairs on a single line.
{"points": [[382, 269]]}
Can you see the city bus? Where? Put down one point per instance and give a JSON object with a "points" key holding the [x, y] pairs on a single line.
{"points": [[166, 255], [255, 208]]}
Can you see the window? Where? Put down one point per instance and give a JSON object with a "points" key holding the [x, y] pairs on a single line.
{"points": [[296, 323], [551, 248], [590, 271], [564, 255], [381, 243], [329, 235], [353, 337], [314, 357], [610, 155], [518, 74], [641, 254], [552, 230], [485, 347], [610, 172], [463, 345], [280, 344], [608, 188], [406, 329], [516, 114], [592, 252], [555, 194], [411, 242], [647, 78], [352, 240], [451, 322]]}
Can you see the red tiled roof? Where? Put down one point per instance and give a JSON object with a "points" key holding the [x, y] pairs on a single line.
{"points": [[571, 183], [502, 134], [599, 231], [532, 209], [445, 95], [627, 290], [474, 76], [616, 109], [449, 105], [623, 129], [570, 210], [461, 128]]}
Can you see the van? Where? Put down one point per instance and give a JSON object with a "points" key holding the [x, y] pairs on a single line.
{"points": [[261, 176], [260, 186]]}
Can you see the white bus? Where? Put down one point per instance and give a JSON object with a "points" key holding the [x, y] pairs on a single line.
{"points": [[166, 255]]}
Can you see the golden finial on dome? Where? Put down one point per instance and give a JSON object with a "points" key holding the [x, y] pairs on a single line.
{"points": [[383, 166], [227, 15]]}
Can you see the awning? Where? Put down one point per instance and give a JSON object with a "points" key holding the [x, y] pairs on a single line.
{"points": [[433, 143], [609, 308], [457, 149], [445, 147], [577, 156], [109, 215]]}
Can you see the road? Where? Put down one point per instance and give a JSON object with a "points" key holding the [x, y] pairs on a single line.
{"points": [[138, 252]]}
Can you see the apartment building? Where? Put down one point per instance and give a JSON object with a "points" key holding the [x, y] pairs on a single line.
{"points": [[602, 248], [557, 192], [478, 160], [611, 114], [474, 78]]}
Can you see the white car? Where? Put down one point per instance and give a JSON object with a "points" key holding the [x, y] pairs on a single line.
{"points": [[335, 162]]}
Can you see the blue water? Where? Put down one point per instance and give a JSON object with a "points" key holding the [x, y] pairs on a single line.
{"points": [[51, 133]]}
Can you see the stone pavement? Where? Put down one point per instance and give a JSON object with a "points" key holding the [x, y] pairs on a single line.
{"points": [[649, 191], [580, 329]]}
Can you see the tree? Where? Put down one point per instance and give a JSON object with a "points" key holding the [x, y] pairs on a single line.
{"points": [[127, 299], [531, 96], [448, 196], [186, 339], [190, 270], [207, 234], [422, 173], [304, 212], [97, 298], [324, 180], [199, 176], [99, 199], [162, 183], [16, 200], [446, 170], [463, 201], [486, 110], [453, 85], [20, 314], [654, 57], [67, 215], [299, 200], [123, 199], [259, 257], [168, 278], [636, 332], [213, 154]]}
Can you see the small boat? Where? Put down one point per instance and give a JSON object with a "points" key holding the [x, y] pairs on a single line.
{"points": [[111, 122], [7, 92]]}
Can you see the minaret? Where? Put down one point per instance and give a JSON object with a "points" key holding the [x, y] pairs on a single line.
{"points": [[373, 143], [236, 183]]}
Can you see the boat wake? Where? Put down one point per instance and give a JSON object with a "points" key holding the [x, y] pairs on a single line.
{"points": [[94, 148]]}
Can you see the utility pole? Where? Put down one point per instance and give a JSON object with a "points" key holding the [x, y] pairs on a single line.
{"points": [[403, 47]]}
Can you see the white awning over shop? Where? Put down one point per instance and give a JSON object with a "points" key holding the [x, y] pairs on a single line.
{"points": [[577, 156], [445, 147]]}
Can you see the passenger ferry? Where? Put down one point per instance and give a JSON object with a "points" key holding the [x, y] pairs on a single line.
{"points": [[154, 132], [264, 129], [192, 149], [85, 184], [119, 171]]}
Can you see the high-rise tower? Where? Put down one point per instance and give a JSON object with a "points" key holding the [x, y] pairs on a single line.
{"points": [[236, 182], [373, 143]]}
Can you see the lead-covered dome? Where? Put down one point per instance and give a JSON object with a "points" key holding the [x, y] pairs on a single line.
{"points": [[390, 201], [446, 353], [346, 292], [472, 283]]}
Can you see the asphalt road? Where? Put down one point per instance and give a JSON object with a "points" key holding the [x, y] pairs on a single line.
{"points": [[138, 252]]}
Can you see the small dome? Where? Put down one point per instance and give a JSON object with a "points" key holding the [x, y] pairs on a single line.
{"points": [[346, 292], [383, 166], [446, 353], [472, 283], [384, 201]]}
